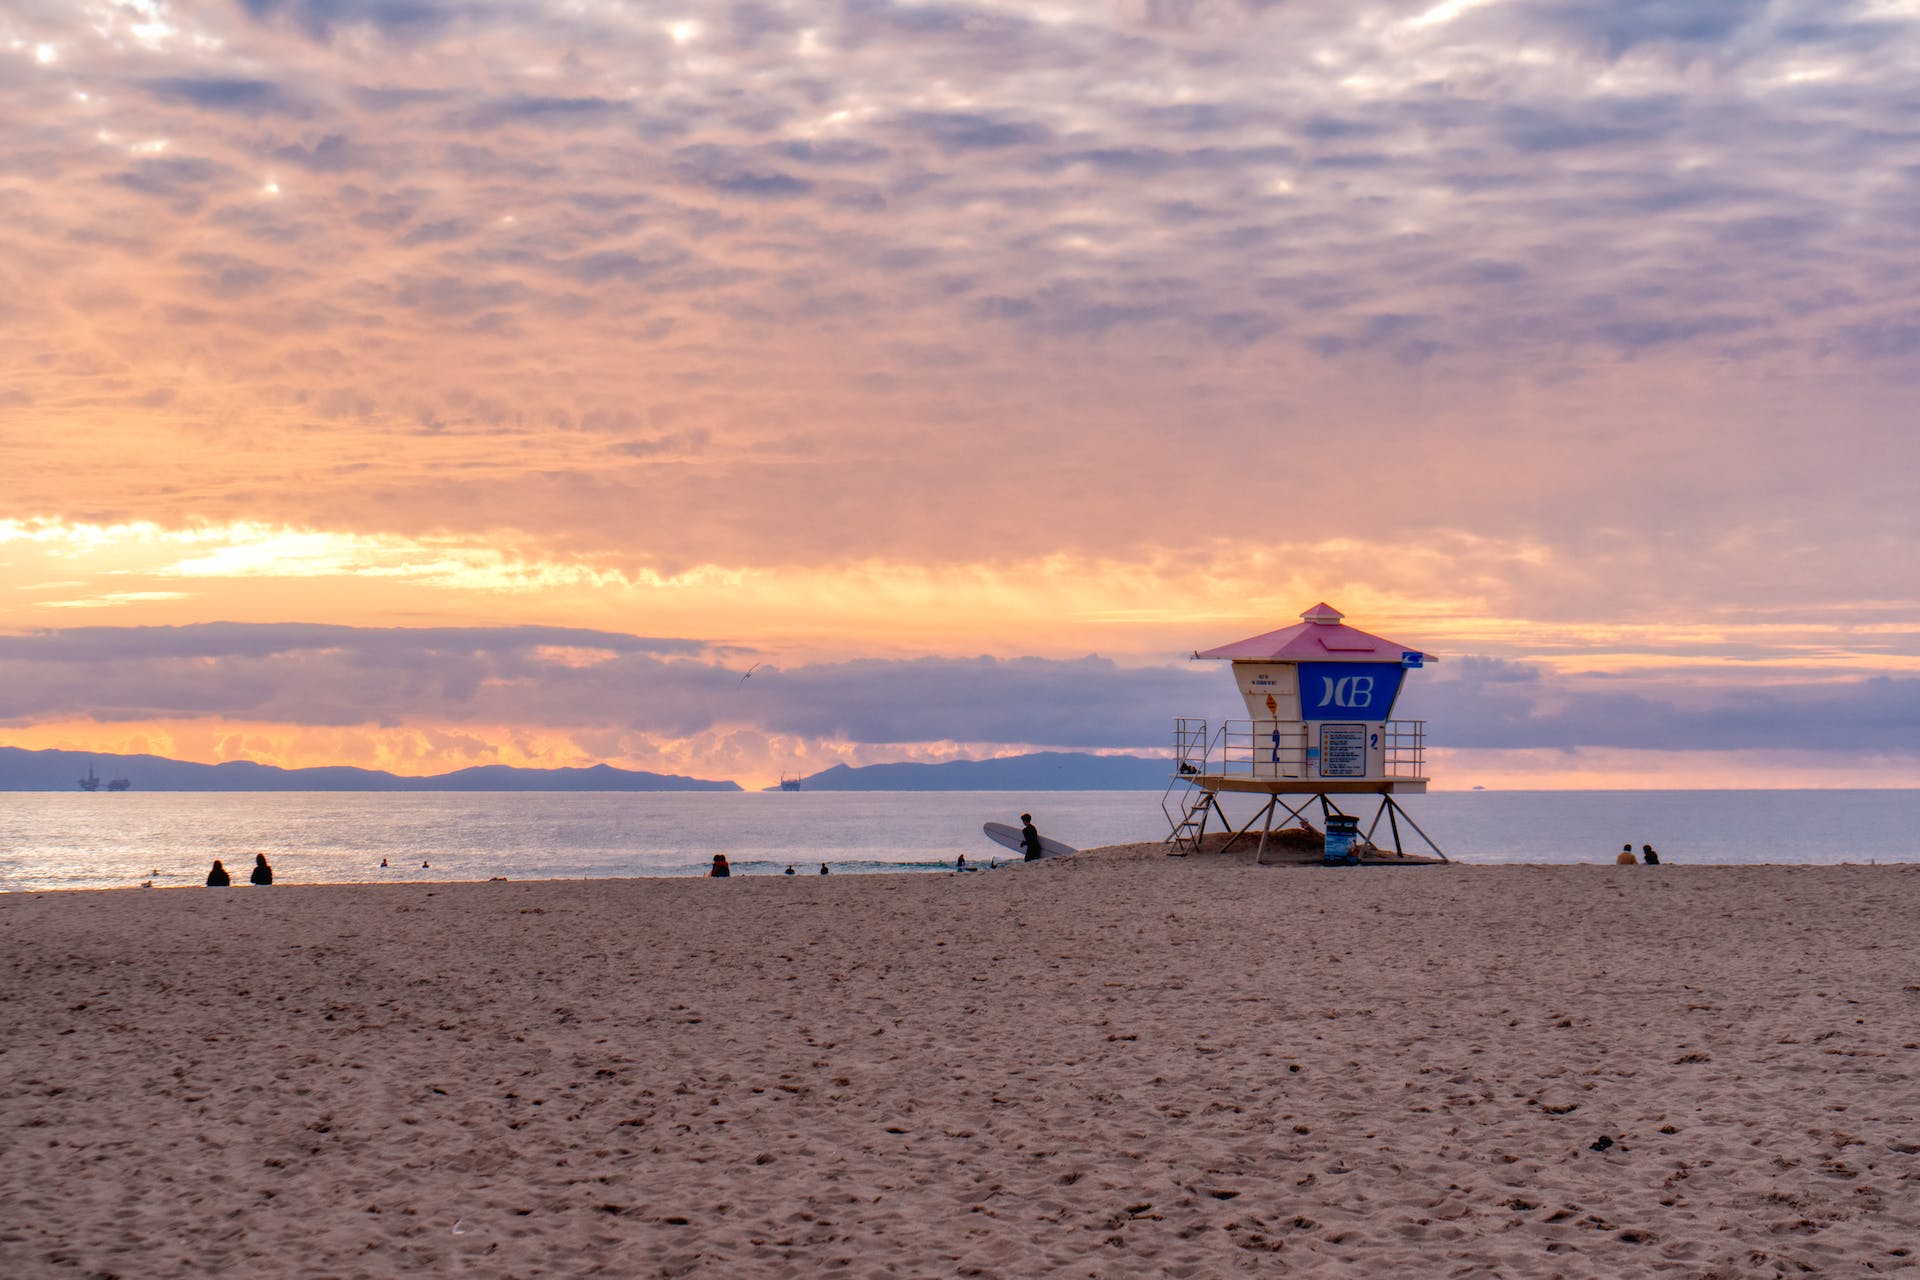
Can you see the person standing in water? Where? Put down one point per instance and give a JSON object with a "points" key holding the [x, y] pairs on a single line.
{"points": [[1029, 838]]}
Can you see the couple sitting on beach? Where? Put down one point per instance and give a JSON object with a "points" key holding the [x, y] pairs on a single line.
{"points": [[262, 873], [1626, 858]]}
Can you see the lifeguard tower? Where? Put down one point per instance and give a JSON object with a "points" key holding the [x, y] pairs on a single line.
{"points": [[1319, 698]]}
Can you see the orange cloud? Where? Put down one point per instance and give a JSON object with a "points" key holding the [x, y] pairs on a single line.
{"points": [[724, 327]]}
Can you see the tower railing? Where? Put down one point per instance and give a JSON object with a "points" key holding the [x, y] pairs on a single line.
{"points": [[1192, 746], [1280, 749], [1404, 744], [1187, 813]]}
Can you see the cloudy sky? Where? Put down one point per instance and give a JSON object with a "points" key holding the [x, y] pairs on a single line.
{"points": [[422, 383]]}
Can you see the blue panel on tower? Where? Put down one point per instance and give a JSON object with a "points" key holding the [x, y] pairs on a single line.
{"points": [[1348, 690]]}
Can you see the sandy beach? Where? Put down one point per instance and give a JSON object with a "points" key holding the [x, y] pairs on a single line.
{"points": [[1114, 1065]]}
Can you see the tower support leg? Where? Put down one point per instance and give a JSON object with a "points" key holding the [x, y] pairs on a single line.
{"points": [[1268, 820], [1264, 813], [1394, 809], [1266, 826], [1375, 824]]}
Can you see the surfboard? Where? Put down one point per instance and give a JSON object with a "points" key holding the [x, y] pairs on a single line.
{"points": [[1009, 837]]}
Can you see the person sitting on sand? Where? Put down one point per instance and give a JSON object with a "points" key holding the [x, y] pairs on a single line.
{"points": [[823, 868], [720, 868], [218, 877], [1648, 856], [1625, 857], [262, 873]]}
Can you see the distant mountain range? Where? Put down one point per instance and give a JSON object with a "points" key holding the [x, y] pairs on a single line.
{"points": [[61, 770], [1040, 771], [22, 770]]}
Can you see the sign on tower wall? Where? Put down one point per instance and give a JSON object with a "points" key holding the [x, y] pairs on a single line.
{"points": [[1348, 690]]}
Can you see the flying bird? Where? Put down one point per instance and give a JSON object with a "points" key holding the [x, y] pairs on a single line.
{"points": [[750, 670]]}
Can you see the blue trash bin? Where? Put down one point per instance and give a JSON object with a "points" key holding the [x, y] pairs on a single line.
{"points": [[1342, 833]]}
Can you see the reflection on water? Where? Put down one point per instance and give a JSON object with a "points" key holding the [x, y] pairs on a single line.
{"points": [[79, 840]]}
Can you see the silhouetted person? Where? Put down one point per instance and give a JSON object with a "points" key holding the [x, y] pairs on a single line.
{"points": [[218, 877], [789, 868], [823, 868], [262, 873], [720, 868], [383, 862], [1029, 838], [1625, 857], [1648, 856], [960, 863]]}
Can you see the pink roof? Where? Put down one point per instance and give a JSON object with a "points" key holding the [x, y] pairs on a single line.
{"points": [[1319, 637]]}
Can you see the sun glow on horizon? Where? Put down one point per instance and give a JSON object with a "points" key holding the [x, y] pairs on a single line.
{"points": [[1149, 609], [723, 754]]}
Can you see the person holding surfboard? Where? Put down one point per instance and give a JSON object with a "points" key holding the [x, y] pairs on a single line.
{"points": [[1032, 846]]}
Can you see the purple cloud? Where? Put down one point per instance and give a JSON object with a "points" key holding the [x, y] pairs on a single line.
{"points": [[328, 675], [217, 93]]}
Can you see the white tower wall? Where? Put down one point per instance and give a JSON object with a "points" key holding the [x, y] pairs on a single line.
{"points": [[1286, 745], [1271, 689]]}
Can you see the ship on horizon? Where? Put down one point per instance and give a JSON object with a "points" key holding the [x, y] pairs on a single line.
{"points": [[789, 782]]}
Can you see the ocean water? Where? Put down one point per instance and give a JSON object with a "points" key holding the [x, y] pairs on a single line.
{"points": [[74, 841]]}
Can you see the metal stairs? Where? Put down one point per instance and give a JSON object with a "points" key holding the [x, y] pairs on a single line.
{"points": [[1195, 809]]}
